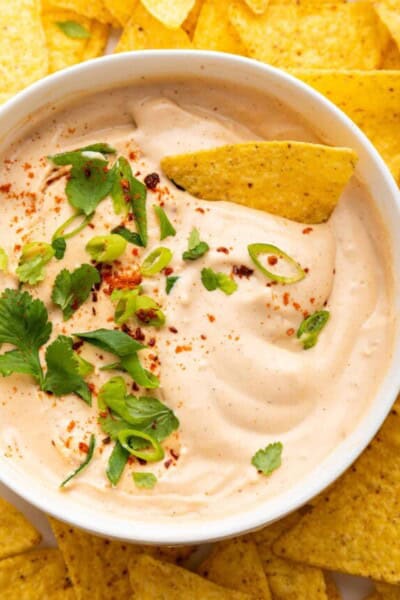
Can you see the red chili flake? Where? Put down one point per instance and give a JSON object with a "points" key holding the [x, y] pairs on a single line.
{"points": [[92, 387], [27, 166], [173, 329], [203, 337], [135, 387], [152, 180], [83, 447], [180, 349], [106, 440], [306, 270], [17, 247], [31, 175], [151, 342], [103, 414], [200, 210], [307, 230], [146, 314], [168, 271], [223, 250], [312, 300], [286, 297], [272, 260], [132, 155], [290, 331], [296, 306], [78, 344], [168, 463], [211, 318], [174, 454], [138, 335], [305, 314], [71, 426], [5, 187], [242, 271]]}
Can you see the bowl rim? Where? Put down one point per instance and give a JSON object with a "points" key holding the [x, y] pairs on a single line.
{"points": [[204, 530]]}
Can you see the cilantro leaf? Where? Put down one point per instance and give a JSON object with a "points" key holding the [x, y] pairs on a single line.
{"points": [[144, 480], [59, 246], [70, 290], [116, 463], [130, 236], [82, 466], [311, 327], [112, 340], [166, 227], [73, 30], [74, 156], [131, 364], [127, 191], [170, 282], [268, 459], [213, 281], [63, 368], [24, 324], [34, 258], [196, 248]]}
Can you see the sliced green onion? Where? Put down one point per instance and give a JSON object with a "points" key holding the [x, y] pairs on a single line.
{"points": [[126, 304], [92, 446], [156, 261], [132, 365], [34, 258], [154, 455], [256, 250], [106, 248], [3, 260], [311, 327], [144, 481], [148, 312], [60, 233], [73, 29], [166, 227]]}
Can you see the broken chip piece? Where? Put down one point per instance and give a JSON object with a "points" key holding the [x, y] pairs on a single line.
{"points": [[16, 533]]}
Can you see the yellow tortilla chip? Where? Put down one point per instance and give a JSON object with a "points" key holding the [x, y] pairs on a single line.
{"points": [[365, 498], [170, 14], [312, 35], [235, 564], [151, 579], [296, 180], [214, 31], [331, 588], [121, 10], [389, 12], [371, 99], [143, 32], [92, 9], [388, 592], [23, 53], [97, 42], [96, 565], [391, 57], [189, 24], [16, 533], [36, 575], [257, 6]]}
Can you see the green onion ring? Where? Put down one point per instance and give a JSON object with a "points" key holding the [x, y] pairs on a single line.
{"points": [[255, 250], [147, 455], [156, 261]]}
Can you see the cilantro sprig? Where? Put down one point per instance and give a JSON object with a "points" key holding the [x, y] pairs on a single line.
{"points": [[218, 281], [196, 247], [129, 195], [268, 459], [84, 464], [72, 289]]}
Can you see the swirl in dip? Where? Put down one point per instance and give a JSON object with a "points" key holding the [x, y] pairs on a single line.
{"points": [[230, 366]]}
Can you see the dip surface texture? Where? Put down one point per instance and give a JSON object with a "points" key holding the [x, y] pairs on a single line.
{"points": [[230, 366]]}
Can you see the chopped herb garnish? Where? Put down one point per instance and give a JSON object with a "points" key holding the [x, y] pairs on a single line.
{"points": [[34, 258], [24, 324], [106, 248], [112, 340], [144, 480], [274, 255], [85, 368], [116, 463], [126, 304], [213, 281], [130, 236], [89, 456], [61, 231], [196, 248], [166, 227], [131, 364], [268, 459], [73, 156], [311, 327], [73, 30], [170, 282], [127, 437], [59, 246], [63, 370], [71, 290], [130, 303], [129, 194], [156, 261], [3, 260], [148, 312]]}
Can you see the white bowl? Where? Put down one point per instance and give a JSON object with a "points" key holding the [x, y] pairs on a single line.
{"points": [[332, 125]]}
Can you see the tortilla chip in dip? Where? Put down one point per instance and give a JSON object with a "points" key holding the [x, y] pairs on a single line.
{"points": [[23, 54], [312, 35], [152, 579], [214, 31], [371, 99], [143, 31], [366, 498], [296, 180], [170, 14], [236, 564], [35, 575], [16, 533]]}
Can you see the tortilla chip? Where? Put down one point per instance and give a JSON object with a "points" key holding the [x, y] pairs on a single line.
{"points": [[312, 35], [365, 498], [331, 588], [235, 564], [391, 57], [389, 12], [23, 54], [35, 575], [96, 565], [189, 24], [144, 32], [257, 6], [387, 592], [97, 42], [214, 32], [16, 533], [121, 10], [170, 14], [151, 579], [371, 99], [92, 9], [296, 180]]}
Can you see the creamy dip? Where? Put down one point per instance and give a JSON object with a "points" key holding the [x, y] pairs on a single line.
{"points": [[230, 367]]}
